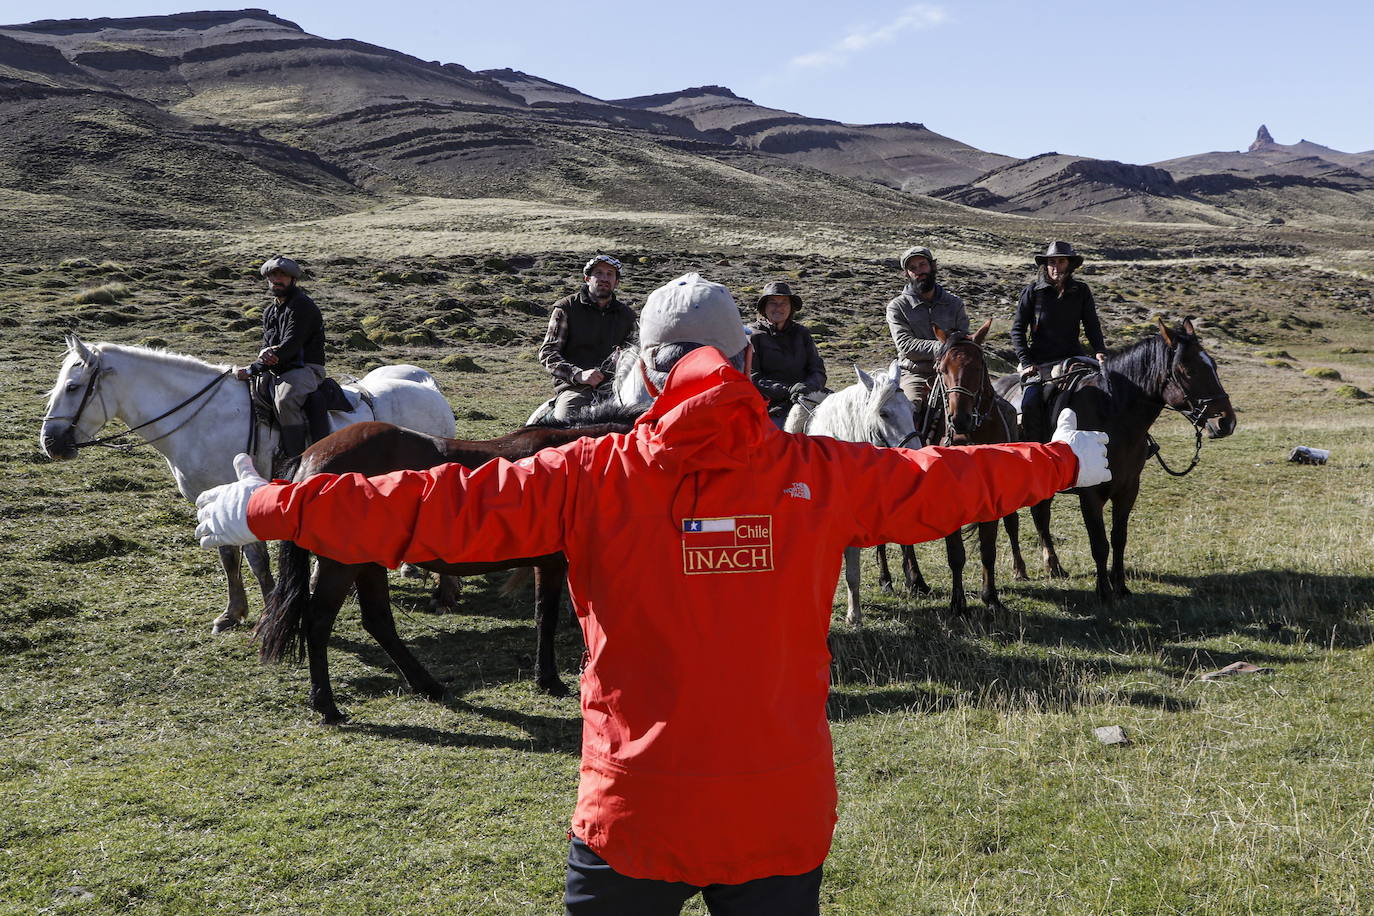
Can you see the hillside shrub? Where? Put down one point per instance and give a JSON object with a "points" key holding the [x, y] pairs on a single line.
{"points": [[1323, 372], [105, 294], [1352, 392]]}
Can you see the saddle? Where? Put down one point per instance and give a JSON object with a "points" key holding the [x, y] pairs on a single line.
{"points": [[329, 396], [1072, 375]]}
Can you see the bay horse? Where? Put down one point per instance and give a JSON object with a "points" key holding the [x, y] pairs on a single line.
{"points": [[873, 410], [300, 613], [199, 417], [1169, 370]]}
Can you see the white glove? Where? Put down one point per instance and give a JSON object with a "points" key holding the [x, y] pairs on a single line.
{"points": [[222, 511], [1089, 447]]}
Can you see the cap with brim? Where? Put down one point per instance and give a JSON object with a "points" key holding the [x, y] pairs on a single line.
{"points": [[915, 250], [283, 264], [779, 288], [1061, 250], [692, 309]]}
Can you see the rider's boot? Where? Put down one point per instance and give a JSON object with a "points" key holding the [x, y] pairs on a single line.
{"points": [[317, 417], [294, 440]]}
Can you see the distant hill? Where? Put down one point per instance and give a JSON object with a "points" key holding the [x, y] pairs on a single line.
{"points": [[189, 118]]}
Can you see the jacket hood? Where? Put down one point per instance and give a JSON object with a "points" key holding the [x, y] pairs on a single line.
{"points": [[709, 416]]}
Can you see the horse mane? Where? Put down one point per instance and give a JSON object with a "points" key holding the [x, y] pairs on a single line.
{"points": [[595, 415], [162, 357], [1146, 363], [953, 339], [845, 414]]}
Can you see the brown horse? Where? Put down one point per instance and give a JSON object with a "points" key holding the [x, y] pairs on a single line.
{"points": [[300, 615], [966, 412], [1169, 370]]}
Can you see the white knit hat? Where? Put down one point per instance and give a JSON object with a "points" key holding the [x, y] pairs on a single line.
{"points": [[691, 309]]}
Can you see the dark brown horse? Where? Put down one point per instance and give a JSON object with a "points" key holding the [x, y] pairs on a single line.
{"points": [[298, 618], [965, 411], [1169, 370]]}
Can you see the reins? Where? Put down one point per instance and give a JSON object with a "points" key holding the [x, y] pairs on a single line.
{"points": [[113, 440], [1153, 446]]}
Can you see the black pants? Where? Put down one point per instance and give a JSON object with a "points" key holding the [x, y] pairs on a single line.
{"points": [[596, 889], [1034, 413]]}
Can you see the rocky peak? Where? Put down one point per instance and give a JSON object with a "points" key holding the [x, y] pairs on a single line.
{"points": [[1262, 139]]}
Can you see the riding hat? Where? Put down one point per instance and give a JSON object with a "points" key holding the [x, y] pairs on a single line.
{"points": [[692, 309], [604, 259], [779, 288], [284, 264], [915, 250], [1061, 250]]}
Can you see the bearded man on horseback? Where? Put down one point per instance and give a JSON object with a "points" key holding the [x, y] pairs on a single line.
{"points": [[292, 351], [1044, 331], [585, 330], [703, 548], [912, 317]]}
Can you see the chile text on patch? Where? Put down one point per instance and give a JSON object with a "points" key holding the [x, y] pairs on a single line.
{"points": [[742, 543]]}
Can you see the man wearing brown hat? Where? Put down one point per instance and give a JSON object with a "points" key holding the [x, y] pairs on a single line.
{"points": [[585, 330], [1045, 330], [912, 317], [787, 365]]}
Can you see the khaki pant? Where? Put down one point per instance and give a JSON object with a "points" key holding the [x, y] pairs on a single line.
{"points": [[572, 401], [291, 388], [917, 391]]}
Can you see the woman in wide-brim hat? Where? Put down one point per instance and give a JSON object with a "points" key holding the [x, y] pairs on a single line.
{"points": [[1045, 330], [787, 365]]}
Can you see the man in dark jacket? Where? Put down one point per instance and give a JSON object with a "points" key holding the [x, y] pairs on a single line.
{"points": [[292, 351], [787, 364], [585, 330], [912, 317], [1045, 330]]}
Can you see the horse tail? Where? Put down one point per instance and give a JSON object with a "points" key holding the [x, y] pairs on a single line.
{"points": [[281, 629]]}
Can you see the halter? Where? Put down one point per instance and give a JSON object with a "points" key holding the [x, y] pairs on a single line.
{"points": [[113, 440]]}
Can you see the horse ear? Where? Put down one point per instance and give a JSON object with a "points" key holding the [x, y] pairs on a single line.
{"points": [[1164, 331], [864, 378], [86, 353], [982, 333], [940, 334], [1188, 326], [894, 372]]}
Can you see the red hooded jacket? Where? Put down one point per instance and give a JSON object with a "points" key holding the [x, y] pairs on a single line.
{"points": [[703, 549]]}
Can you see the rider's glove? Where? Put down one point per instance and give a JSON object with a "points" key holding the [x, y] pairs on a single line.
{"points": [[1027, 372], [1089, 447], [222, 512], [798, 391]]}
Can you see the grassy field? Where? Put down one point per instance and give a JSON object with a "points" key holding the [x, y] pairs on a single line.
{"points": [[149, 767]]}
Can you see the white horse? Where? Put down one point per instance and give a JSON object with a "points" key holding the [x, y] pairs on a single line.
{"points": [[628, 388], [871, 410], [198, 416]]}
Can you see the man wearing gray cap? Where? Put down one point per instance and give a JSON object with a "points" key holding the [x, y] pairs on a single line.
{"points": [[292, 351], [703, 549], [585, 330], [922, 306]]}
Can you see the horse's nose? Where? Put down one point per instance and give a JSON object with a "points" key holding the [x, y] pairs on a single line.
{"points": [[1222, 426], [962, 422], [59, 446]]}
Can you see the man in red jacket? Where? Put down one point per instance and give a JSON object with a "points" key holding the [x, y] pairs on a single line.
{"points": [[703, 551]]}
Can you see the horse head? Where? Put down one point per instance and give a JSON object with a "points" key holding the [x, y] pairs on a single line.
{"points": [[1194, 389], [887, 416], [75, 406], [963, 379]]}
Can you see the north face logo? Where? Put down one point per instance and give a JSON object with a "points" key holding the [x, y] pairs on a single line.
{"points": [[798, 490]]}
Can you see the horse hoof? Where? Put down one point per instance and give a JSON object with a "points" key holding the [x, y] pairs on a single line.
{"points": [[553, 688], [334, 718], [887, 587], [225, 622]]}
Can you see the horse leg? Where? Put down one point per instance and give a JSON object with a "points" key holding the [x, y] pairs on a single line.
{"points": [[854, 616], [954, 550], [915, 582], [446, 594], [374, 599], [548, 595], [1040, 514], [1090, 504], [1018, 563], [328, 590], [884, 574], [987, 548], [256, 554], [237, 609], [1122, 504]]}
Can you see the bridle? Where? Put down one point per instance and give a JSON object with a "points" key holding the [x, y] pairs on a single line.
{"points": [[114, 440], [1196, 410], [982, 398]]}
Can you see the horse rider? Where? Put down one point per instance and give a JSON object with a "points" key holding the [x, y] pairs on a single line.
{"points": [[585, 330], [922, 306], [1045, 330], [787, 365], [292, 351], [703, 548]]}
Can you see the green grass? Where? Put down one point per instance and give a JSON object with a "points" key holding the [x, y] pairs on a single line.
{"points": [[148, 767]]}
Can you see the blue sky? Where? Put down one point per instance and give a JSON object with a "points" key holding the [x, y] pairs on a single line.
{"points": [[1139, 82]]}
